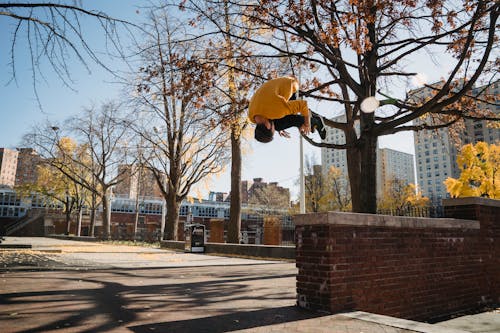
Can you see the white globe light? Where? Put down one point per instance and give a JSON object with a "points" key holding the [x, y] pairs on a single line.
{"points": [[370, 104]]}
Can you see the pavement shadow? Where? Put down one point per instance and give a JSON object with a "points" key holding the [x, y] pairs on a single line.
{"points": [[230, 322], [114, 295]]}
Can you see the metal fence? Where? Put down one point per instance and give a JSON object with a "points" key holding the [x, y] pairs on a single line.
{"points": [[431, 211]]}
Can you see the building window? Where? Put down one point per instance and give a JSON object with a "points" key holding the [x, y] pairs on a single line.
{"points": [[142, 221]]}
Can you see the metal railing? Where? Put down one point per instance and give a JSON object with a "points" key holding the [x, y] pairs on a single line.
{"points": [[431, 211]]}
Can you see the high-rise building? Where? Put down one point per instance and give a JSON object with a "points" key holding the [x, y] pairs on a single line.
{"points": [[335, 157], [8, 164], [391, 164], [27, 166], [436, 150], [136, 181]]}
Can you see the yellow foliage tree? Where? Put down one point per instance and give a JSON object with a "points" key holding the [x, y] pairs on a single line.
{"points": [[415, 197], [54, 182], [398, 195], [480, 172], [326, 192]]}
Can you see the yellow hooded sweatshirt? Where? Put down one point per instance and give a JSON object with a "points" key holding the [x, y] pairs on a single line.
{"points": [[271, 100]]}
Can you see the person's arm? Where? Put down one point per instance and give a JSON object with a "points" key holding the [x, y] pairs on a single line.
{"points": [[306, 128]]}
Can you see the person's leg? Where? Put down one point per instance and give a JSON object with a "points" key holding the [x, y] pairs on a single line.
{"points": [[293, 120], [318, 123]]}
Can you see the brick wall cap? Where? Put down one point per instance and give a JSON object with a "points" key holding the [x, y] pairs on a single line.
{"points": [[471, 201], [359, 219]]}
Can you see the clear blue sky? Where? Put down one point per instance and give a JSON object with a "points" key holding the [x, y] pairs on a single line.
{"points": [[276, 161]]}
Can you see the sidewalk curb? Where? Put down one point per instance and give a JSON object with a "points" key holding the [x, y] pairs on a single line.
{"points": [[15, 246], [401, 323]]}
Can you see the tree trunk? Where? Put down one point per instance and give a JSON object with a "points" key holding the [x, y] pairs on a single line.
{"points": [[92, 214], [353, 170], [79, 221], [106, 210], [172, 218], [138, 190], [234, 227], [92, 222], [163, 217], [68, 218], [136, 219], [368, 176]]}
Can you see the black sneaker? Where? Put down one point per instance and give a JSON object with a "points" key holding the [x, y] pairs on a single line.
{"points": [[318, 123]]}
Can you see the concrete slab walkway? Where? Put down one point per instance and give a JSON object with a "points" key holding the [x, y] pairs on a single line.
{"points": [[93, 287]]}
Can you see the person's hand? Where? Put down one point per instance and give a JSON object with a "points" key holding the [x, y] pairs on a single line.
{"points": [[284, 134], [306, 127]]}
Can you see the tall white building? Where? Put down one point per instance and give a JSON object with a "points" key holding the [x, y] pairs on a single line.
{"points": [[436, 151], [335, 157], [391, 164]]}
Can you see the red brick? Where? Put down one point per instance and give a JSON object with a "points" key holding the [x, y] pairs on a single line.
{"points": [[420, 273]]}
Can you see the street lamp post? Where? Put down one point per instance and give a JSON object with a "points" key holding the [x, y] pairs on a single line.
{"points": [[302, 197]]}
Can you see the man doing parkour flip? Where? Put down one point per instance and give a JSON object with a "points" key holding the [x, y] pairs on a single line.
{"points": [[272, 108]]}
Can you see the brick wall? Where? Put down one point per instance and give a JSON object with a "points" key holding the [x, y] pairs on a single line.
{"points": [[413, 268], [487, 212]]}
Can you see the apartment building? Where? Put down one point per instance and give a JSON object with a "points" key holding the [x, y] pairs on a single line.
{"points": [[335, 157], [391, 164], [27, 166], [8, 165], [136, 181], [436, 151]]}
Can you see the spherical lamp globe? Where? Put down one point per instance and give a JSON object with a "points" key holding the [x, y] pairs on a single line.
{"points": [[370, 104]]}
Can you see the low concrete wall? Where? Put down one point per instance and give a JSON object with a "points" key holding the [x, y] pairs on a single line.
{"points": [[172, 245], [412, 268], [245, 250], [75, 238]]}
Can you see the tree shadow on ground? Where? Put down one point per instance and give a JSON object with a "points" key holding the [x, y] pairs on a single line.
{"points": [[230, 322], [122, 297]]}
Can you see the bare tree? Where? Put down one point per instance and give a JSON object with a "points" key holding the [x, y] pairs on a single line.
{"points": [[216, 23], [53, 32], [313, 185], [184, 138], [270, 196], [325, 191], [107, 138], [362, 49], [103, 133]]}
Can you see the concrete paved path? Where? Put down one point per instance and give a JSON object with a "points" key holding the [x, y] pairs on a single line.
{"points": [[66, 286]]}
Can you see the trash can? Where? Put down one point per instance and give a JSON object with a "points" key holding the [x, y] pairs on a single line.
{"points": [[194, 236]]}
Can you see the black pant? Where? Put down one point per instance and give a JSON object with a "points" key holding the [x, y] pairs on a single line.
{"points": [[292, 120]]}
